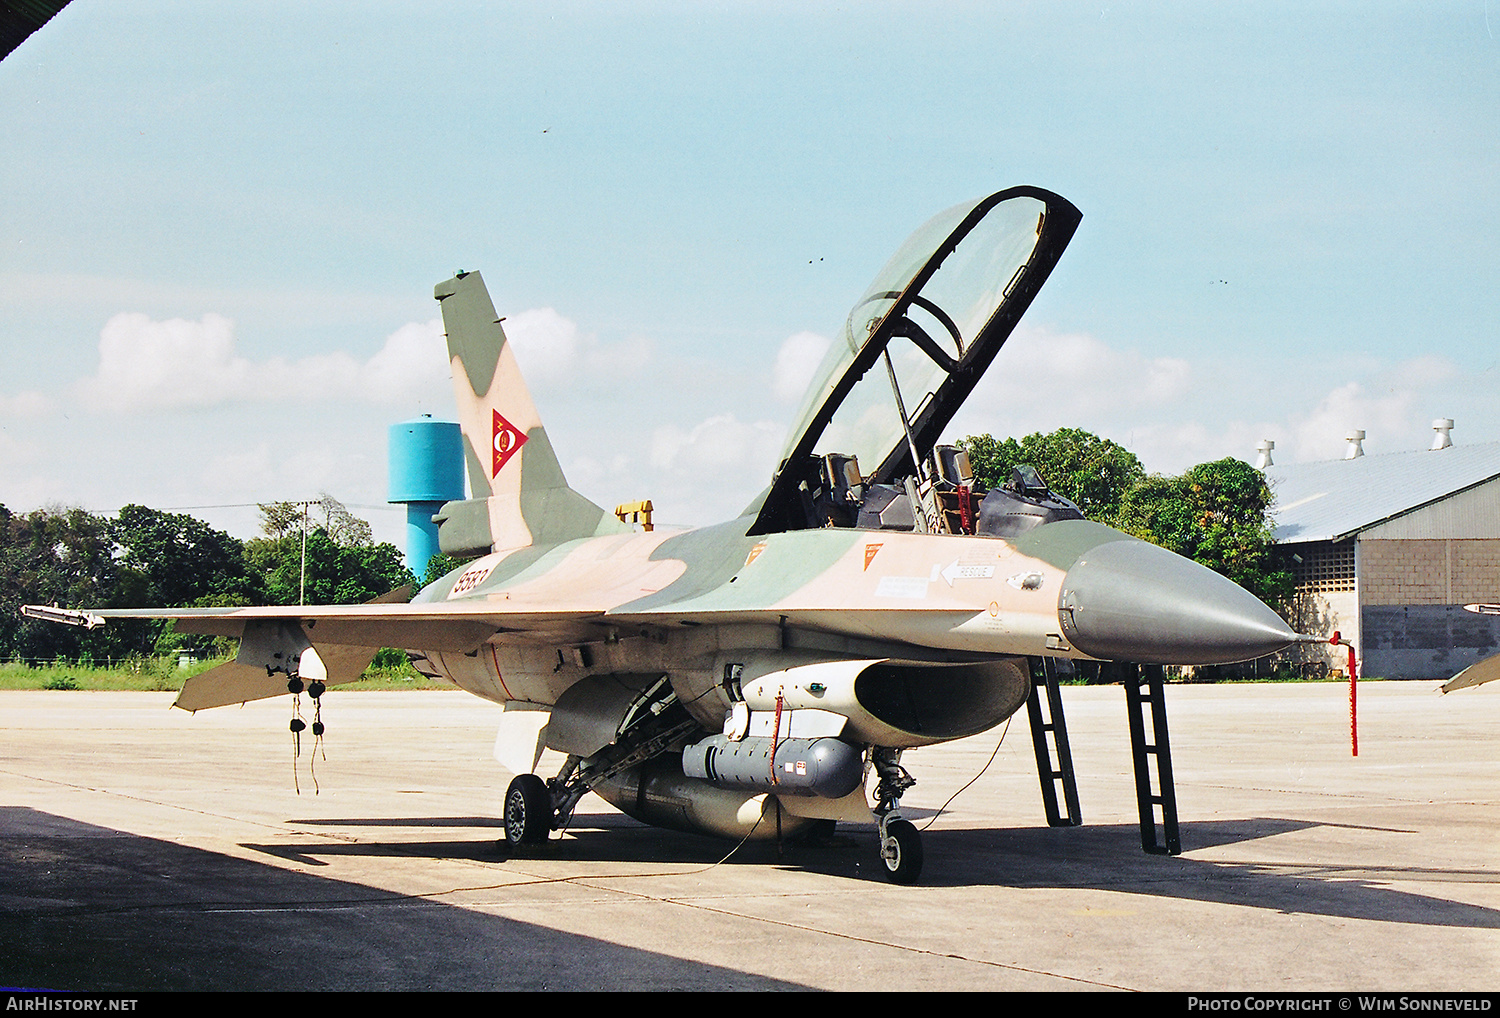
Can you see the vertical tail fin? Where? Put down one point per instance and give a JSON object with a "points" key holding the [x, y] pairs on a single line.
{"points": [[519, 494]]}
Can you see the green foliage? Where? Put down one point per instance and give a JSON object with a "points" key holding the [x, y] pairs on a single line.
{"points": [[145, 558], [283, 519], [335, 574], [441, 565], [338, 563], [172, 644], [390, 659], [390, 670], [172, 560], [1217, 513], [56, 556], [1092, 472]]}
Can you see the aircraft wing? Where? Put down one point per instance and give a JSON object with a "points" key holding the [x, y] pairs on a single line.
{"points": [[446, 627], [1476, 674], [331, 643]]}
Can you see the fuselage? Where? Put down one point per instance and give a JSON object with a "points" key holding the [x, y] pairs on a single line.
{"points": [[681, 603]]}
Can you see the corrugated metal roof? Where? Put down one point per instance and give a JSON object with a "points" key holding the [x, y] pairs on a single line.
{"points": [[1333, 499]]}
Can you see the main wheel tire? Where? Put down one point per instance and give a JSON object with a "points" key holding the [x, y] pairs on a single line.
{"points": [[528, 810], [901, 851]]}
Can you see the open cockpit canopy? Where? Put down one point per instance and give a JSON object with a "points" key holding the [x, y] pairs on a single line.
{"points": [[915, 345]]}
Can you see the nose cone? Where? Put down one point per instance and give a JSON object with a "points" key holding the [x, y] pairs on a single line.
{"points": [[1132, 601]]}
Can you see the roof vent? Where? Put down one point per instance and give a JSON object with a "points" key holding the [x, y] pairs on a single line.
{"points": [[1263, 459], [1442, 439], [1355, 450]]}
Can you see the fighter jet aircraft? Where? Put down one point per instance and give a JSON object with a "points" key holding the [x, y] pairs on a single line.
{"points": [[749, 679]]}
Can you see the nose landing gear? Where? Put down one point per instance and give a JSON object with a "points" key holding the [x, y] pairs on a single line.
{"points": [[900, 843]]}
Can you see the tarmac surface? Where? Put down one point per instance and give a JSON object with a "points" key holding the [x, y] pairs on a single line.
{"points": [[143, 848]]}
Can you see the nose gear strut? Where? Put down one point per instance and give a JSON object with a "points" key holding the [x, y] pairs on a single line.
{"points": [[900, 844]]}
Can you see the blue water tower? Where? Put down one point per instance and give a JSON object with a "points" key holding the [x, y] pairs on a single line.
{"points": [[426, 469]]}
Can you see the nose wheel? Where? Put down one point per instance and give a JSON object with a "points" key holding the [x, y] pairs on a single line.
{"points": [[900, 844], [900, 850]]}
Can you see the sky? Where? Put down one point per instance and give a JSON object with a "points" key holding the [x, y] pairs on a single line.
{"points": [[220, 226]]}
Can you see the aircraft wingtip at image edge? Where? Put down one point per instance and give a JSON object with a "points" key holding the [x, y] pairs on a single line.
{"points": [[1477, 674]]}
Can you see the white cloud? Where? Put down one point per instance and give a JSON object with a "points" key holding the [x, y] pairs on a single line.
{"points": [[237, 470], [1083, 370], [550, 347], [14, 451], [707, 472], [24, 404], [1173, 413], [1043, 380], [415, 357], [176, 364], [145, 363], [720, 443], [546, 343], [1385, 419], [796, 363], [617, 359]]}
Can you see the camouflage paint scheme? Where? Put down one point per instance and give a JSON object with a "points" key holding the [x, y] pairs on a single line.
{"points": [[886, 639]]}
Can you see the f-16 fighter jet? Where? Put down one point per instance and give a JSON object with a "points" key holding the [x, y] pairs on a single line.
{"points": [[766, 675]]}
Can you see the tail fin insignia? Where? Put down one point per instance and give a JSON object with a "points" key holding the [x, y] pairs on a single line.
{"points": [[507, 442], [519, 496]]}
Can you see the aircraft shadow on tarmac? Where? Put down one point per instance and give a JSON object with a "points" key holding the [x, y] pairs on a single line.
{"points": [[1109, 857], [1104, 857], [87, 907]]}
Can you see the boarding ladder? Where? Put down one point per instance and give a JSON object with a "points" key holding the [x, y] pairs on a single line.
{"points": [[1044, 683], [1144, 685]]}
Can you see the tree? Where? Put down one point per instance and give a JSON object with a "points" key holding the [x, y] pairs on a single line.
{"points": [[343, 564], [441, 565], [171, 560], [282, 519], [1217, 514], [335, 574], [64, 557], [1092, 472], [146, 558]]}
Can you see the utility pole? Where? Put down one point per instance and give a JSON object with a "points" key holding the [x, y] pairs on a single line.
{"points": [[302, 590]]}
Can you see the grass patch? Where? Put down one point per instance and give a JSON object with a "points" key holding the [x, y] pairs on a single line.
{"points": [[163, 675], [137, 675], [384, 680]]}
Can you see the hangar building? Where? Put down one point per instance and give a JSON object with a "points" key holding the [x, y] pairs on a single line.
{"points": [[1388, 549]]}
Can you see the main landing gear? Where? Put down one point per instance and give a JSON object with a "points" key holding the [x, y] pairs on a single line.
{"points": [[528, 810], [533, 807]]}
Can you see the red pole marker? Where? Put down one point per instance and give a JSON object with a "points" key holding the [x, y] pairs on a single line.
{"points": [[1353, 679]]}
